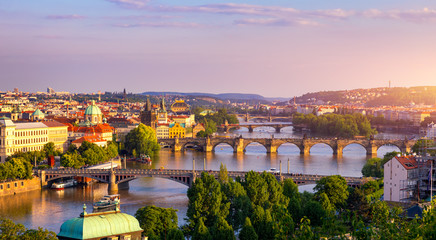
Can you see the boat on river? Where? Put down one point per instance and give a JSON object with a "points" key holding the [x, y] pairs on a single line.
{"points": [[144, 159], [108, 202], [64, 184]]}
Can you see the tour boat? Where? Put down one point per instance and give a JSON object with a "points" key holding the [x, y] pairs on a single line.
{"points": [[108, 201], [64, 184], [144, 159]]}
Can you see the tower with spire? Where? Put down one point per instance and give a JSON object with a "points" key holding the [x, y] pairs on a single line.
{"points": [[148, 115], [162, 113]]}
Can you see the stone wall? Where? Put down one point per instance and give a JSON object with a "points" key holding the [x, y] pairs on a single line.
{"points": [[19, 186]]}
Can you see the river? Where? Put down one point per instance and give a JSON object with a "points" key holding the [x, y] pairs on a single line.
{"points": [[49, 208]]}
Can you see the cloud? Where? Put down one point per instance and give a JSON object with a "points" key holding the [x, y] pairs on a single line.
{"points": [[159, 25], [64, 17], [417, 16], [130, 3], [273, 22]]}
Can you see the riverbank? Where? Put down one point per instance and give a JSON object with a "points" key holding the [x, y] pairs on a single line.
{"points": [[19, 186]]}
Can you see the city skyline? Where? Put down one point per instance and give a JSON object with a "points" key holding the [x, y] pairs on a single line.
{"points": [[271, 48]]}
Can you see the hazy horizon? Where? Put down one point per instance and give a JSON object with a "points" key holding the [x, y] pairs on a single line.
{"points": [[271, 48]]}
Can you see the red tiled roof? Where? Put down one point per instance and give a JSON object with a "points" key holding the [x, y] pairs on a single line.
{"points": [[91, 139], [53, 124], [408, 162]]}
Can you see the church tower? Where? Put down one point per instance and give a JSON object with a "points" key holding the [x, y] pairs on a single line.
{"points": [[148, 115], [162, 113]]}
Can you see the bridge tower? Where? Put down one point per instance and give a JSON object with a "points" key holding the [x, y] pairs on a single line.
{"points": [[247, 117]]}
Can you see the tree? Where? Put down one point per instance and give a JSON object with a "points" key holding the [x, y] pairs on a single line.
{"points": [[257, 188], [275, 190], [315, 212], [72, 159], [295, 209], [336, 189], [112, 149], [240, 204], [11, 231], [175, 234], [247, 231], [223, 176], [201, 232], [143, 140], [373, 168], [156, 221], [222, 230], [206, 201], [290, 189], [49, 149]]}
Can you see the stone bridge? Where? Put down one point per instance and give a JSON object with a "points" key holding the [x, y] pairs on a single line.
{"points": [[277, 126], [272, 144], [247, 117], [119, 178]]}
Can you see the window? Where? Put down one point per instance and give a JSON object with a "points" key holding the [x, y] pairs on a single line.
{"points": [[22, 183], [9, 185], [1, 187], [16, 184]]}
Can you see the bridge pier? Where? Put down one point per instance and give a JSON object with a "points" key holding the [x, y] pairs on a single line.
{"points": [[305, 150], [112, 187], [42, 177], [338, 150], [278, 129], [239, 145], [124, 185], [250, 129], [371, 150]]}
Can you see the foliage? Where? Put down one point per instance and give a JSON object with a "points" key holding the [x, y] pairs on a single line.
{"points": [[223, 176], [11, 231], [240, 204], [374, 166], [49, 149], [175, 234], [201, 232], [156, 222], [16, 168], [206, 201], [143, 140], [257, 188], [73, 160], [348, 125], [222, 230], [336, 189], [247, 231]]}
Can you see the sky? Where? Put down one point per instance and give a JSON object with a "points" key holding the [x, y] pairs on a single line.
{"points": [[276, 48]]}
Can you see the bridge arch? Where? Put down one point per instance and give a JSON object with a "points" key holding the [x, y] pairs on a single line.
{"points": [[349, 146], [320, 144], [381, 147], [292, 145], [193, 144], [77, 175], [255, 143], [223, 143]]}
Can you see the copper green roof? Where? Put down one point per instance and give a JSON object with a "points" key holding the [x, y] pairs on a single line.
{"points": [[99, 225], [37, 112], [92, 109]]}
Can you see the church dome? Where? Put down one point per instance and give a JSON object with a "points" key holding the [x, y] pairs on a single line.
{"points": [[92, 109], [37, 112]]}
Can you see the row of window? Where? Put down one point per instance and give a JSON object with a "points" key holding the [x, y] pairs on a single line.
{"points": [[30, 133], [30, 141], [8, 185]]}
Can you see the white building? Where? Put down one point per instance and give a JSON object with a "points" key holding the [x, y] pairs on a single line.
{"points": [[431, 131], [400, 178]]}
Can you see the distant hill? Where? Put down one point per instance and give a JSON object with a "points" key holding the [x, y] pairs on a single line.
{"points": [[222, 96]]}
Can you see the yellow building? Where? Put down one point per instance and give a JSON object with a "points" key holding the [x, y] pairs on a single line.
{"points": [[177, 130], [29, 136]]}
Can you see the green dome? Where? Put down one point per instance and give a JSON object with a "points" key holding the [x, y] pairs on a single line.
{"points": [[99, 225], [92, 109], [37, 112]]}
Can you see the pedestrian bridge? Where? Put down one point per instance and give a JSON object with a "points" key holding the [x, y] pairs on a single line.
{"points": [[187, 177], [272, 144]]}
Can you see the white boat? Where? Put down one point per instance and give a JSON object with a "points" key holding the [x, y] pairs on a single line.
{"points": [[107, 202], [64, 184]]}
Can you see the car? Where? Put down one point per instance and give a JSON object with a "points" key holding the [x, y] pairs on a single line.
{"points": [[273, 170]]}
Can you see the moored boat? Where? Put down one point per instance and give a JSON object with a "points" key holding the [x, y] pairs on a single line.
{"points": [[64, 184], [107, 202], [144, 159]]}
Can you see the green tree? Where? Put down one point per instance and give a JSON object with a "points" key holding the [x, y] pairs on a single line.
{"points": [[275, 190], [11, 231], [290, 189], [72, 159], [201, 232], [373, 168], [315, 212], [143, 140], [112, 150], [295, 209], [336, 189], [175, 234], [156, 221], [206, 201], [257, 188], [222, 230], [240, 204], [49, 149], [223, 176], [247, 231]]}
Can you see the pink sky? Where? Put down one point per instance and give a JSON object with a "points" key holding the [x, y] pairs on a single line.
{"points": [[272, 48]]}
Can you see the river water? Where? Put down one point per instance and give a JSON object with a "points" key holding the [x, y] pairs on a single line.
{"points": [[49, 208]]}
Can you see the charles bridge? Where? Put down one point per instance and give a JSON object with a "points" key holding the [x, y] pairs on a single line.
{"points": [[272, 144], [247, 117], [120, 178], [251, 126]]}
